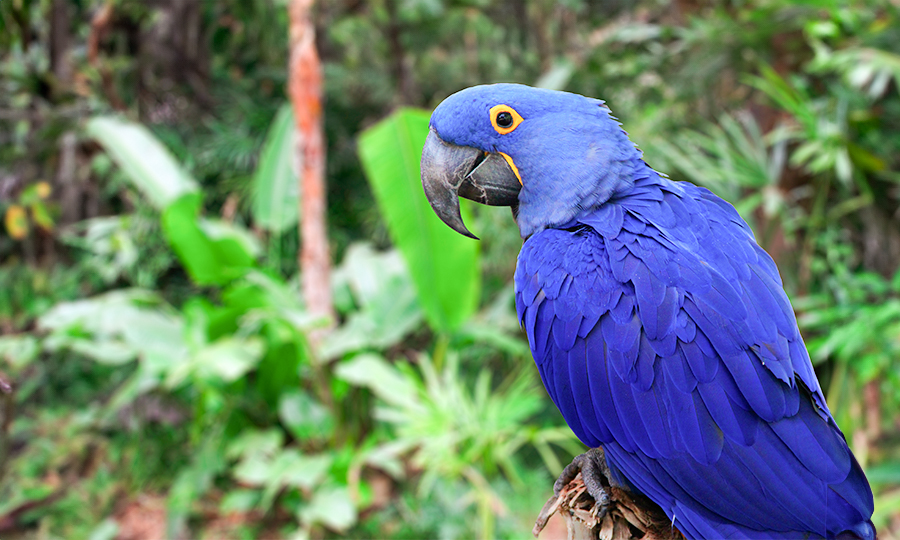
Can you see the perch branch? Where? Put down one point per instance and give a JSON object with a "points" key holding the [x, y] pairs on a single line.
{"points": [[629, 516]]}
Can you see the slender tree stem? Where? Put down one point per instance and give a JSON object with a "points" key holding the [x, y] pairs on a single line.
{"points": [[305, 89]]}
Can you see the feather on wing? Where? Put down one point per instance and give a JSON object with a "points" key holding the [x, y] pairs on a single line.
{"points": [[664, 334]]}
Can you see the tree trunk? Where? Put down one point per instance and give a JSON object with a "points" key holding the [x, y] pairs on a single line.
{"points": [[305, 89], [60, 42]]}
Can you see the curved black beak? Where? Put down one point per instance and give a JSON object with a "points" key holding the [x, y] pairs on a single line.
{"points": [[450, 171]]}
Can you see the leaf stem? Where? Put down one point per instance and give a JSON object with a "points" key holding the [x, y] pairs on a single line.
{"points": [[440, 351]]}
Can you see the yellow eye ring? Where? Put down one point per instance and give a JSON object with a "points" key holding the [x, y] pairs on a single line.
{"points": [[504, 119]]}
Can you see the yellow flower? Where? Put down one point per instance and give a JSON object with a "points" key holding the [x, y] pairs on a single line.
{"points": [[16, 222], [43, 190]]}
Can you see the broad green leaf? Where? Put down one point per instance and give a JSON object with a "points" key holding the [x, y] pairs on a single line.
{"points": [[18, 350], [300, 470], [381, 377], [444, 265], [259, 292], [286, 468], [387, 457], [252, 441], [143, 158], [382, 322], [113, 353], [228, 358], [212, 252], [279, 369], [223, 232], [254, 470], [276, 191], [41, 215], [332, 507], [115, 327], [304, 416], [379, 283], [239, 500], [365, 270], [223, 360]]}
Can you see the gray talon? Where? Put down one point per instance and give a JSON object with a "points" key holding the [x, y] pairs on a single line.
{"points": [[594, 473]]}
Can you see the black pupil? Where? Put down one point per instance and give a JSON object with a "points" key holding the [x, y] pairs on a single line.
{"points": [[504, 119]]}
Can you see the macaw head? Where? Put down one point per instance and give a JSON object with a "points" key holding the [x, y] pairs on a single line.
{"points": [[549, 155]]}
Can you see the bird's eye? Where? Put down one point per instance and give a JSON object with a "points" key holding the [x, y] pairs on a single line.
{"points": [[504, 119]]}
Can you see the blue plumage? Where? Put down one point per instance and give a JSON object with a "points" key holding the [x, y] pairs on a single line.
{"points": [[661, 329], [707, 409]]}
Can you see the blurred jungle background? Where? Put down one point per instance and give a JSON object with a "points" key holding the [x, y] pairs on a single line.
{"points": [[168, 365]]}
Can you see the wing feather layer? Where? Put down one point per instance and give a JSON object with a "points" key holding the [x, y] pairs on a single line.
{"points": [[664, 335]]}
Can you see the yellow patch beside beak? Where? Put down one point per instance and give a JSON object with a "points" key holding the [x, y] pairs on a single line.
{"points": [[512, 166]]}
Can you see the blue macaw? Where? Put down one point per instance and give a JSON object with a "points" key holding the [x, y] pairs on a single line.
{"points": [[660, 328]]}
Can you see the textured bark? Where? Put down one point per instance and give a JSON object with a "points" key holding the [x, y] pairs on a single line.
{"points": [[70, 190], [401, 62], [60, 43], [176, 47], [101, 23], [305, 89], [628, 517]]}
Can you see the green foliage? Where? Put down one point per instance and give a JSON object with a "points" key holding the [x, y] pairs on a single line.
{"points": [[729, 157], [854, 322], [269, 468], [143, 158], [859, 327], [212, 251], [380, 305], [453, 431], [127, 247], [275, 445], [276, 200], [186, 354], [29, 208], [444, 265], [819, 127], [27, 293]]}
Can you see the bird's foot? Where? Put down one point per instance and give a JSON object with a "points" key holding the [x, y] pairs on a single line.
{"points": [[593, 503], [594, 473], [595, 476]]}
